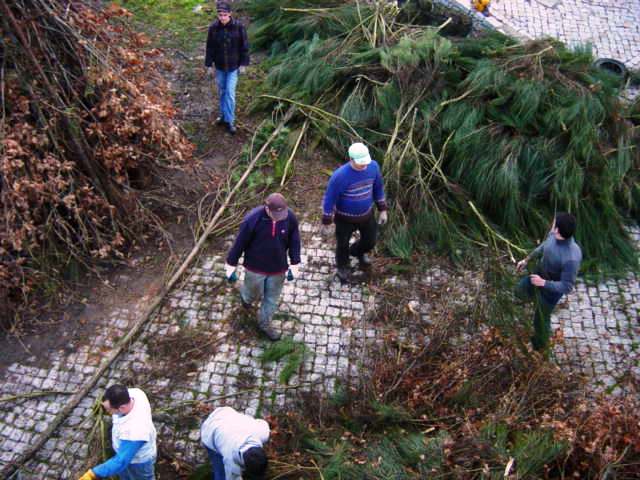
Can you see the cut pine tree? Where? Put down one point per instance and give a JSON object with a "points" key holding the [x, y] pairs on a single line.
{"points": [[481, 139]]}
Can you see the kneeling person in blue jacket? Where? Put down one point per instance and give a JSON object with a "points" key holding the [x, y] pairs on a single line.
{"points": [[267, 235], [133, 436]]}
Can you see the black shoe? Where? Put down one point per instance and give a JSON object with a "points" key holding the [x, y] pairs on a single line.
{"points": [[365, 261], [232, 129], [220, 121], [271, 334], [343, 274]]}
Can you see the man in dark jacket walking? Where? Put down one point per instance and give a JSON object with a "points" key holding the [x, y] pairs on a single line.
{"points": [[228, 50], [267, 234]]}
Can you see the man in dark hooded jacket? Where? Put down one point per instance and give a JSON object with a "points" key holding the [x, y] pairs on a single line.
{"points": [[228, 51]]}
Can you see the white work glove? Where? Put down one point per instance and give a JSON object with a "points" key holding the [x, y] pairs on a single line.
{"points": [[243, 69], [210, 71], [230, 272], [294, 272], [383, 218], [325, 230]]}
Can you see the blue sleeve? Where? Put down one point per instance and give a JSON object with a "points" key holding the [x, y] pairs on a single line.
{"points": [[378, 190], [117, 464], [330, 198], [567, 279], [241, 241], [294, 240]]}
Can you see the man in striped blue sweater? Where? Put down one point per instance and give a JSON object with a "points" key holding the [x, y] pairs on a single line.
{"points": [[348, 202]]}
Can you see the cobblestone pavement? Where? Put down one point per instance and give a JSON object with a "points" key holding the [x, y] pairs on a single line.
{"points": [[600, 325], [335, 323], [611, 27]]}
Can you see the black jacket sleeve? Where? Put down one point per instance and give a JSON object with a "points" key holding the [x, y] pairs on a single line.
{"points": [[210, 49], [244, 47]]}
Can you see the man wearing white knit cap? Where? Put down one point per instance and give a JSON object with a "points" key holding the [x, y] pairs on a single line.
{"points": [[348, 202]]}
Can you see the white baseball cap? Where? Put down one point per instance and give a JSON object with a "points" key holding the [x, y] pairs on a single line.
{"points": [[359, 153]]}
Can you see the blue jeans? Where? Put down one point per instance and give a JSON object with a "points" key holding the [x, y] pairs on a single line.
{"points": [[544, 303], [267, 287], [217, 465], [139, 471], [226, 82]]}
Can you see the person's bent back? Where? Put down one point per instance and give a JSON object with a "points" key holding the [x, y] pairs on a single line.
{"points": [[234, 442]]}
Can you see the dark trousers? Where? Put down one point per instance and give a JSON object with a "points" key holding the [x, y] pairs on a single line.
{"points": [[344, 230], [543, 302]]}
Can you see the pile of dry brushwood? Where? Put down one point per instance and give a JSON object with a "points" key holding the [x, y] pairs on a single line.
{"points": [[481, 408], [86, 126]]}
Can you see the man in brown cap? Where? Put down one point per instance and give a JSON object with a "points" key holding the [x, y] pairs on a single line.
{"points": [[267, 235]]}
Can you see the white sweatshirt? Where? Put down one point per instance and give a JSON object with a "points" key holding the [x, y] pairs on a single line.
{"points": [[230, 434], [135, 426]]}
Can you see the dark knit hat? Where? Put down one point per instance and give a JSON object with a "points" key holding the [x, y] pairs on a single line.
{"points": [[223, 7]]}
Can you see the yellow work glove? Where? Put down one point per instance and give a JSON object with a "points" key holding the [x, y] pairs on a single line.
{"points": [[481, 5], [89, 475]]}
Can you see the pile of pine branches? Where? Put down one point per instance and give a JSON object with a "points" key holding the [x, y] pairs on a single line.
{"points": [[86, 124], [481, 139]]}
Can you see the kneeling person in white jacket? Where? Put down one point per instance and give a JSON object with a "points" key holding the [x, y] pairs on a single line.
{"points": [[234, 443]]}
